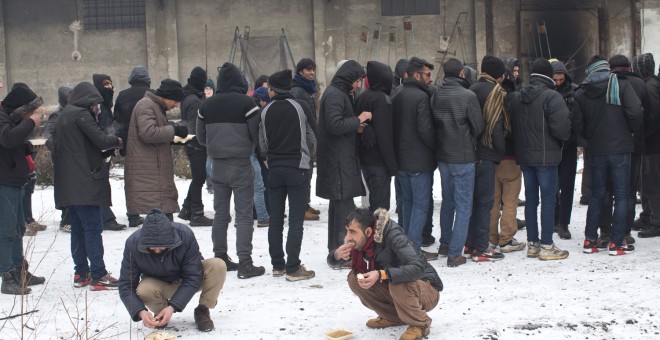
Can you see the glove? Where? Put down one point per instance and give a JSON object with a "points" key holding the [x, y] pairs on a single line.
{"points": [[181, 131]]}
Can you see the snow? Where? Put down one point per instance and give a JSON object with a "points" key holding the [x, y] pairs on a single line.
{"points": [[587, 296]]}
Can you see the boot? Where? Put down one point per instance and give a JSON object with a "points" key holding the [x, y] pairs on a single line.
{"points": [[30, 278], [415, 333], [203, 319], [184, 214], [231, 265], [247, 269], [11, 286], [562, 231], [199, 220]]}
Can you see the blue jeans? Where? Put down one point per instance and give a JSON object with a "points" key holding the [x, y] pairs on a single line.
{"points": [[415, 191], [618, 167], [484, 195], [86, 240], [545, 179], [457, 192], [259, 190], [12, 228]]}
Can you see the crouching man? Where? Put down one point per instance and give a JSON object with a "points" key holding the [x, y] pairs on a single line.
{"points": [[388, 275], [162, 269]]}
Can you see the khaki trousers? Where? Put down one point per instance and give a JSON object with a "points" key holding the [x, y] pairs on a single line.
{"points": [[404, 303], [155, 293], [507, 189]]}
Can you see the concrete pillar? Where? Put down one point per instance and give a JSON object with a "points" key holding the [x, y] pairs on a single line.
{"points": [[329, 38], [162, 45], [480, 30], [3, 51]]}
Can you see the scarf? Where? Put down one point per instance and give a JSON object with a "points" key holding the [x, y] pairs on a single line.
{"points": [[308, 85], [493, 109], [612, 84], [359, 258]]}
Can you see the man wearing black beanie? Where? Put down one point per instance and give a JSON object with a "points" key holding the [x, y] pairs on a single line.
{"points": [[540, 123], [193, 96]]}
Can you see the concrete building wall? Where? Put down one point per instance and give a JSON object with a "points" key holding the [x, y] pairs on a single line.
{"points": [[650, 17]]}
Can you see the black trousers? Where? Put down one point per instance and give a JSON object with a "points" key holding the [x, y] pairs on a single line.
{"points": [[193, 201]]}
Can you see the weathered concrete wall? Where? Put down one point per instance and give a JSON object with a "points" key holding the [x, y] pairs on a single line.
{"points": [[650, 13]]}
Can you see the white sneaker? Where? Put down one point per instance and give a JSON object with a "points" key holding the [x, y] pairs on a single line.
{"points": [[552, 252]]}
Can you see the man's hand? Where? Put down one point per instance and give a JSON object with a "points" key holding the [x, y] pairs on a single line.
{"points": [[147, 319], [364, 116], [361, 128], [344, 251], [369, 280], [165, 315], [36, 118]]}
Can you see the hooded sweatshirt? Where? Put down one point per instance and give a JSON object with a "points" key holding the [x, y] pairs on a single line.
{"points": [[105, 117], [509, 63], [126, 100], [567, 91], [644, 66]]}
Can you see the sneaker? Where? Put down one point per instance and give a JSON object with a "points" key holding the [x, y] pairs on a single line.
{"points": [[313, 211], [427, 240], [443, 250], [263, 223], [487, 255], [429, 256], [651, 231], [602, 242], [277, 272], [29, 231], [114, 226], [80, 281], [133, 224], [629, 239], [512, 246], [415, 333], [31, 279], [623, 249], [11, 284], [106, 282], [521, 203], [200, 221], [203, 319], [590, 247], [455, 261], [246, 269], [639, 225], [185, 214], [65, 228], [533, 249], [301, 274], [467, 252], [311, 217], [36, 225], [552, 252], [562, 232], [379, 323], [521, 224], [231, 265]]}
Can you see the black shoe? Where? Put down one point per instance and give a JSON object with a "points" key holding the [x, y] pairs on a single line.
{"points": [[443, 250], [562, 231], [203, 319], [200, 221], [12, 286], [427, 240], [521, 203], [184, 214], [133, 224], [584, 200], [639, 225], [114, 226], [246, 269], [652, 231], [31, 279], [231, 265], [521, 224]]}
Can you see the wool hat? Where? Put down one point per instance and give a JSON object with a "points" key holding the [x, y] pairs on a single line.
{"points": [[21, 100], [170, 89], [493, 66], [261, 93], [198, 78], [210, 83], [305, 64], [542, 66], [280, 81]]}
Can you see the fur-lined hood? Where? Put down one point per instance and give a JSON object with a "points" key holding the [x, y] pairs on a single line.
{"points": [[382, 220]]}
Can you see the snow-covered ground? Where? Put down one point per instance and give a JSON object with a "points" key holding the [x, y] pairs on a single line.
{"points": [[583, 297]]}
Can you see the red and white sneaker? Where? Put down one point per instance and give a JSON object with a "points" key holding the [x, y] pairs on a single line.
{"points": [[106, 282], [487, 255], [590, 247], [467, 252], [623, 249], [80, 281]]}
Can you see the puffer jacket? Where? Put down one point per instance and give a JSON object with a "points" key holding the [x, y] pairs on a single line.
{"points": [[458, 121], [338, 171], [182, 262], [540, 122], [482, 88], [149, 167], [81, 177]]}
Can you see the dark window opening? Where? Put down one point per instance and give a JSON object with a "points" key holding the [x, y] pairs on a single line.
{"points": [[409, 7], [113, 14]]}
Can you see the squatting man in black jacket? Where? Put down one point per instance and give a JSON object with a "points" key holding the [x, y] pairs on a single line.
{"points": [[162, 269], [388, 274]]}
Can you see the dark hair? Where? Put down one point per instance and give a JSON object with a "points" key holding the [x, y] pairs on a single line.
{"points": [[305, 64], [452, 67], [364, 217], [596, 58], [619, 60], [417, 65], [260, 81]]}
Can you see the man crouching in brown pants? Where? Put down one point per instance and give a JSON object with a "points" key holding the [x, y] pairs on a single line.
{"points": [[388, 275], [166, 256]]}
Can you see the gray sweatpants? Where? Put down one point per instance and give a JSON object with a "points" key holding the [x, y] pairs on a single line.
{"points": [[233, 175]]}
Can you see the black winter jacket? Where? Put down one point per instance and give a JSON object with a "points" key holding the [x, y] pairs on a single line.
{"points": [[376, 143], [338, 171], [299, 92], [607, 128], [640, 90], [13, 166], [482, 89], [414, 132], [652, 122], [458, 121], [124, 106], [540, 122], [192, 99], [81, 177], [567, 91], [181, 262]]}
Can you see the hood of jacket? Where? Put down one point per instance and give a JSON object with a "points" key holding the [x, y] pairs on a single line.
{"points": [[63, 95], [559, 67], [380, 77], [230, 79], [84, 95], [157, 232], [139, 76], [537, 84], [595, 85], [509, 63], [189, 89], [347, 74]]}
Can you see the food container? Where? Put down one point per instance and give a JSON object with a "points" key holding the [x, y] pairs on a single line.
{"points": [[179, 140], [37, 141], [339, 334]]}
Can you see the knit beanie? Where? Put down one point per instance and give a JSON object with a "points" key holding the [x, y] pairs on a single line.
{"points": [[493, 66], [261, 93], [280, 81], [542, 66], [21, 97], [210, 83], [170, 89], [198, 78]]}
